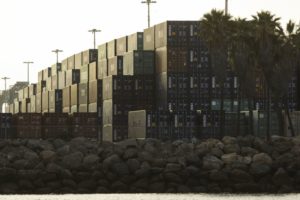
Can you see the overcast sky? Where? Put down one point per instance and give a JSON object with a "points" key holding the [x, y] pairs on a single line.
{"points": [[31, 29]]}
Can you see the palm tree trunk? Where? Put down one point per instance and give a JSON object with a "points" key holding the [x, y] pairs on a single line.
{"points": [[280, 118], [268, 114], [289, 117], [221, 111], [238, 111]]}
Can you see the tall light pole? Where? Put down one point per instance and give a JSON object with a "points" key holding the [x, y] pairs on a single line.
{"points": [[57, 51], [94, 31], [148, 2], [5, 78], [226, 7], [28, 63]]}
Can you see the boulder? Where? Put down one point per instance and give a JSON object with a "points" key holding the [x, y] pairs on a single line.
{"points": [[240, 176], [130, 153], [248, 151], [47, 155], [216, 152], [133, 165], [54, 168], [73, 161], [157, 187], [90, 161], [281, 178], [262, 146], [229, 140], [111, 160], [232, 148], [216, 175], [229, 158], [262, 158], [258, 169], [128, 143], [212, 162], [120, 168], [281, 144], [172, 167]]}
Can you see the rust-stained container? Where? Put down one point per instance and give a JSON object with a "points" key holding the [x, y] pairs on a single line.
{"points": [[74, 95], [40, 85], [38, 103], [61, 80], [139, 63], [149, 38], [32, 89], [66, 99], [55, 101], [83, 90], [95, 91], [89, 56], [72, 77], [20, 95], [102, 51], [55, 68], [111, 48], [85, 125], [40, 76], [48, 84], [54, 82], [45, 102], [26, 92], [56, 125], [115, 65], [102, 68], [78, 60], [24, 105], [46, 73], [71, 62], [84, 74], [64, 65], [93, 72], [171, 59], [29, 125], [33, 104], [135, 41], [121, 46]]}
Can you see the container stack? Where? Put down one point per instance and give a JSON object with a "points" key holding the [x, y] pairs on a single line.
{"points": [[6, 129], [56, 125]]}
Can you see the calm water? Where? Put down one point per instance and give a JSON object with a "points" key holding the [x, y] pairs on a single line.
{"points": [[148, 197]]}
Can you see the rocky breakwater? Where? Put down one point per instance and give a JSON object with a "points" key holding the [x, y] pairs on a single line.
{"points": [[232, 165]]}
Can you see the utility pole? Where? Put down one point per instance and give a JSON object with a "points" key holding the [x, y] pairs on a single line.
{"points": [[148, 2], [226, 7], [94, 31], [28, 63], [57, 51], [5, 78]]}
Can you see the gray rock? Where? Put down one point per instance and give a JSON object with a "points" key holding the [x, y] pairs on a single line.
{"points": [[141, 183], [281, 178], [212, 162], [54, 184], [143, 172], [54, 168], [284, 160], [258, 169], [58, 143], [48, 156], [73, 161], [108, 162], [229, 158], [90, 161], [247, 188], [8, 188], [46, 145], [25, 184], [211, 143], [172, 177], [229, 140], [216, 175], [128, 143], [145, 156], [118, 186], [120, 168], [69, 183], [157, 187], [21, 164], [216, 152], [102, 190], [87, 184], [262, 158], [183, 189], [248, 151], [193, 170], [149, 147], [130, 153], [29, 174], [103, 182], [193, 159], [281, 144], [202, 149], [261, 145], [133, 165], [31, 156], [232, 148], [7, 173], [34, 144], [245, 141], [240, 176], [64, 150], [171, 167]]}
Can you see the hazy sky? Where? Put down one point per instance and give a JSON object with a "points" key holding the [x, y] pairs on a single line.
{"points": [[31, 29]]}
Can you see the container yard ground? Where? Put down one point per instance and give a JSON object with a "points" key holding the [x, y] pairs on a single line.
{"points": [[82, 166]]}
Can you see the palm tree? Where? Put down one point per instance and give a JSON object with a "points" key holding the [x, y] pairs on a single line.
{"points": [[215, 32], [267, 34], [243, 60]]}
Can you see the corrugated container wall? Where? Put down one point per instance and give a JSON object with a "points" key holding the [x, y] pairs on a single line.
{"points": [[121, 46], [93, 71], [72, 77], [149, 39], [66, 99], [32, 89], [78, 60], [45, 101], [40, 85], [102, 51], [135, 41], [89, 56], [102, 68], [20, 95], [111, 48], [55, 101], [46, 73], [40, 75], [139, 63], [83, 93], [33, 104], [26, 92], [95, 91], [71, 62], [115, 65], [55, 68], [84, 74], [61, 80], [64, 64], [38, 103], [74, 98]]}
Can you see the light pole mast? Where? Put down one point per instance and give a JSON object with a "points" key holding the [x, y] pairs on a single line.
{"points": [[57, 51], [148, 2], [5, 78], [28, 63], [94, 31], [226, 7]]}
